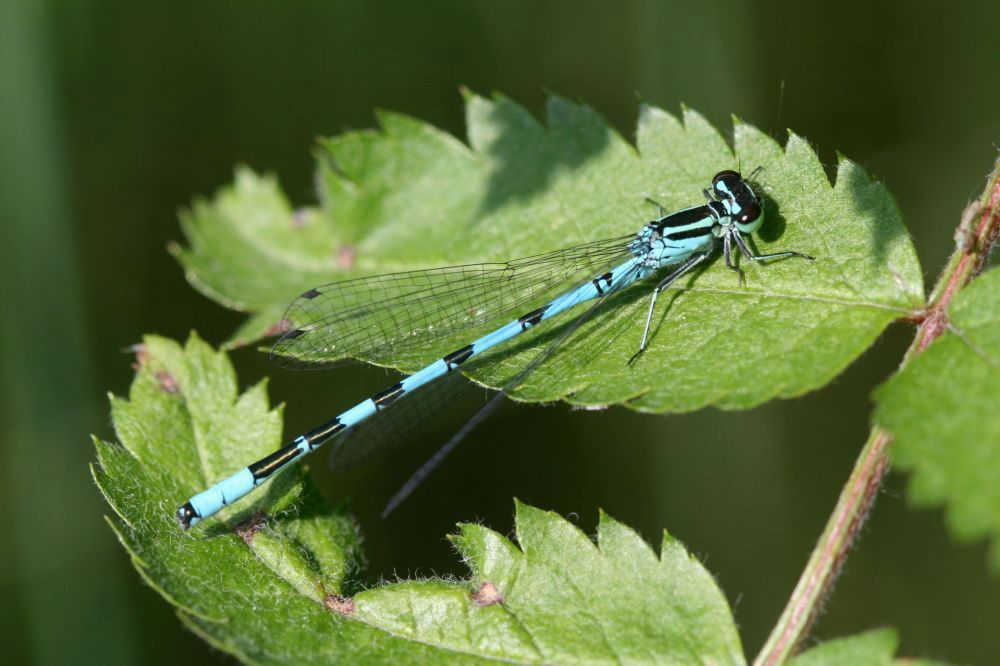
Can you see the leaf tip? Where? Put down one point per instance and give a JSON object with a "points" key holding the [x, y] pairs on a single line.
{"points": [[692, 118], [794, 138], [650, 114], [848, 169], [605, 519]]}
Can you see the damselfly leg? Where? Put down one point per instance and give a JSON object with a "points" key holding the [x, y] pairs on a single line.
{"points": [[666, 282]]}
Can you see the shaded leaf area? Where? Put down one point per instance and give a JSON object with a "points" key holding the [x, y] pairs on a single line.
{"points": [[871, 648], [941, 410], [408, 196], [278, 582]]}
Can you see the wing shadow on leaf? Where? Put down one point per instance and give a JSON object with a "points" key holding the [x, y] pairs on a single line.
{"points": [[868, 198], [528, 155]]}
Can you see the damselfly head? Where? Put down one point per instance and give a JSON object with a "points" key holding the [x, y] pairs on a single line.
{"points": [[726, 183], [743, 202]]}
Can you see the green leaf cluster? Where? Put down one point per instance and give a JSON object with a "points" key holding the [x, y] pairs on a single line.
{"points": [[280, 578], [280, 582], [941, 410]]}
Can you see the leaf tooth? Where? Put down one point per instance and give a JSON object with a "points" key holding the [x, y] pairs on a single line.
{"points": [[489, 555], [255, 398], [754, 147], [403, 126], [850, 173], [561, 114], [393, 122], [706, 136], [799, 151], [619, 541], [488, 120], [498, 96], [694, 121], [649, 113], [656, 130], [546, 533]]}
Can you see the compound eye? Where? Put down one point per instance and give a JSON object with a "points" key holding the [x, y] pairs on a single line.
{"points": [[725, 182], [749, 213]]}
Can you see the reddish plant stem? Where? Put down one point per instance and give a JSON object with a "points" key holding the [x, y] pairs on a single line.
{"points": [[861, 489]]}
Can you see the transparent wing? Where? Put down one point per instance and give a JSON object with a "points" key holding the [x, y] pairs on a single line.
{"points": [[397, 424], [381, 317], [484, 412]]}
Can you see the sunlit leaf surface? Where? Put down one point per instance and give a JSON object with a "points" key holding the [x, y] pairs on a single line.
{"points": [[408, 196]]}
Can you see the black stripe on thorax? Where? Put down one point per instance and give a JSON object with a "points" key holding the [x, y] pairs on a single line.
{"points": [[388, 396], [458, 357], [265, 467], [717, 210], [682, 218], [532, 317]]}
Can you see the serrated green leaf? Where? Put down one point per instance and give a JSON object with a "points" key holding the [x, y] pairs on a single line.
{"points": [[941, 410], [410, 196], [872, 648], [272, 584]]}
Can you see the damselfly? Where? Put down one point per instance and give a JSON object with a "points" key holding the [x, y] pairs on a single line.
{"points": [[380, 317]]}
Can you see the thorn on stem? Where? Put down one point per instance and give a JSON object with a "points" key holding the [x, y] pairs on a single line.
{"points": [[282, 326], [347, 255], [340, 605], [167, 381], [488, 595], [248, 529]]}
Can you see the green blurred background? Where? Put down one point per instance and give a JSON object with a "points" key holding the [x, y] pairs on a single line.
{"points": [[113, 115]]}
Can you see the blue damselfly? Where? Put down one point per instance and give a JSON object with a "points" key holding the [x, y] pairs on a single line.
{"points": [[379, 317]]}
